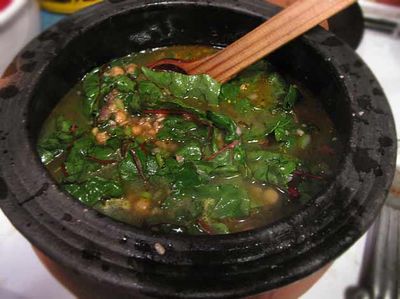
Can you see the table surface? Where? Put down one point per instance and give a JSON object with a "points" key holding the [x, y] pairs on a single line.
{"points": [[22, 276]]}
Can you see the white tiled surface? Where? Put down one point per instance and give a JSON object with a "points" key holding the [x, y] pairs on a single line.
{"points": [[23, 277]]}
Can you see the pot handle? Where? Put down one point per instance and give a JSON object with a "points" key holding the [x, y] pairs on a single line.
{"points": [[380, 270]]}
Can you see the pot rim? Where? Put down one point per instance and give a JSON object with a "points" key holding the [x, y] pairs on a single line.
{"points": [[21, 210]]}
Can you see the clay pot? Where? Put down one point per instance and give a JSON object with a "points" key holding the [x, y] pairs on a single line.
{"points": [[108, 259]]}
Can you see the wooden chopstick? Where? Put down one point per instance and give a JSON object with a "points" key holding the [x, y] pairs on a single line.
{"points": [[290, 23]]}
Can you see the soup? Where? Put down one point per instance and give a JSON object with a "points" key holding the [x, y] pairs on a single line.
{"points": [[174, 153]]}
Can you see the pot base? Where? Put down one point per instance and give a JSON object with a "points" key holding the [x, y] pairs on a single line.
{"points": [[84, 290]]}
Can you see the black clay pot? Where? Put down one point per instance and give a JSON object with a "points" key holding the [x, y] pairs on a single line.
{"points": [[120, 261]]}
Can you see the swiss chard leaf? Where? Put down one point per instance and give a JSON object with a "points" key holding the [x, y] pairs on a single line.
{"points": [[290, 99], [212, 203], [77, 165], [190, 152], [185, 178], [232, 202], [272, 167], [183, 86], [133, 102], [94, 85], [102, 152], [230, 92], [224, 122], [149, 91], [208, 224], [54, 145], [94, 190], [283, 126], [182, 204], [243, 105], [219, 228], [253, 133], [224, 201], [182, 209], [178, 129], [151, 167], [122, 83], [278, 85], [127, 169], [91, 90]]}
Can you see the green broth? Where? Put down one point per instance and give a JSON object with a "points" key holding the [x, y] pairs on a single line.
{"points": [[186, 155]]}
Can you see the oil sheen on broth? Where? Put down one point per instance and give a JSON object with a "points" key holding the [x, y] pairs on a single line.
{"points": [[172, 153]]}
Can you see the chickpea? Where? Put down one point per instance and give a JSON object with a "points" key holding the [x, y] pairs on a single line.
{"points": [[166, 145], [131, 68], [152, 132], [160, 117], [116, 71], [143, 206], [255, 191], [119, 104], [270, 196], [147, 126], [156, 125], [102, 137], [120, 117], [253, 96], [220, 141], [156, 211], [137, 130], [95, 131], [112, 95], [146, 195], [300, 132], [126, 205], [112, 107]]}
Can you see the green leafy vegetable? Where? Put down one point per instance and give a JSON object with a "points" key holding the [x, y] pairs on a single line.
{"points": [[133, 102], [230, 91], [55, 144], [290, 98], [181, 153], [77, 165], [274, 168], [102, 152], [178, 129], [94, 190], [190, 152], [185, 178], [149, 91], [283, 126], [127, 169], [91, 89], [151, 167], [231, 201], [278, 85], [225, 123], [183, 86], [122, 83]]}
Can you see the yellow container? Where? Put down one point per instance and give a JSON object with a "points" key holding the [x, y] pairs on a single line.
{"points": [[66, 6]]}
